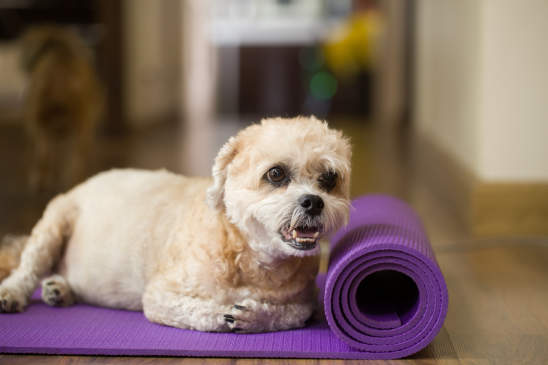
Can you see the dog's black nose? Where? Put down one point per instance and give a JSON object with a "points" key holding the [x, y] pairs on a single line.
{"points": [[312, 204]]}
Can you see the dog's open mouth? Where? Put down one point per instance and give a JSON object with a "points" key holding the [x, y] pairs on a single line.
{"points": [[301, 237]]}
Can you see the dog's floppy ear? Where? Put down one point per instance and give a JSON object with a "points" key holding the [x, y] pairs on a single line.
{"points": [[215, 193]]}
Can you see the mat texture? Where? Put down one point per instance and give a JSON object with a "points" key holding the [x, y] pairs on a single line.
{"points": [[384, 298]]}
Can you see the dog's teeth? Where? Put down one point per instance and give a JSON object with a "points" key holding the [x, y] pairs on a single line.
{"points": [[316, 235], [294, 233]]}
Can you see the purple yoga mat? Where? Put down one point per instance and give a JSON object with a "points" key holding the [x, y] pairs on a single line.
{"points": [[385, 294], [384, 298]]}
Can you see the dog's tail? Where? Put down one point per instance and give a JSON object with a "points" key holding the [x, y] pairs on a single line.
{"points": [[11, 247]]}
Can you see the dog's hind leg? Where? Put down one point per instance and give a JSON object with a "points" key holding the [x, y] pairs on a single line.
{"points": [[56, 291], [41, 253]]}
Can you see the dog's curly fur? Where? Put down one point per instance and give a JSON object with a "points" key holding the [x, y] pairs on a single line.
{"points": [[236, 252]]}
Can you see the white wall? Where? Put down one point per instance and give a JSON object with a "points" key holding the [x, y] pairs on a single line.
{"points": [[447, 73], [513, 126], [482, 84]]}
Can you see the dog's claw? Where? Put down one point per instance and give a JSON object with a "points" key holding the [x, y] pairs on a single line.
{"points": [[244, 317]]}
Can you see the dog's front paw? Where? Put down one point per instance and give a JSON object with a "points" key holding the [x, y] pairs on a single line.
{"points": [[12, 301], [56, 292], [235, 321], [249, 316]]}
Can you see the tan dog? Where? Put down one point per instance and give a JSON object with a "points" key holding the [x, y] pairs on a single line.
{"points": [[236, 252], [63, 104]]}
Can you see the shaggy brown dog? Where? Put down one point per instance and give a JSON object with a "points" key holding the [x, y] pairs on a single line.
{"points": [[64, 102]]}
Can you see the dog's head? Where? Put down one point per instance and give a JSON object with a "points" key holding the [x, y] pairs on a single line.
{"points": [[284, 183]]}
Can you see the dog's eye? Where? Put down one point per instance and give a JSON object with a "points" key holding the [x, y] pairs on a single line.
{"points": [[276, 175], [328, 180]]}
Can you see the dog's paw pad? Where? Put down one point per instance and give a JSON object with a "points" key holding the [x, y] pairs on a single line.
{"points": [[56, 293], [11, 302]]}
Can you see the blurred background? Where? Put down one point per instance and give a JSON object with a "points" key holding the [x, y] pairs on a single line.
{"points": [[445, 101]]}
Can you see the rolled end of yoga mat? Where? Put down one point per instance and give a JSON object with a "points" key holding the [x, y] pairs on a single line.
{"points": [[384, 292]]}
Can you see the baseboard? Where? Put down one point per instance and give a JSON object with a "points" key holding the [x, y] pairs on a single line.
{"points": [[510, 209], [485, 208]]}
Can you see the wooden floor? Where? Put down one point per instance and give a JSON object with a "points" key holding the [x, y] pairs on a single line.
{"points": [[498, 312]]}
